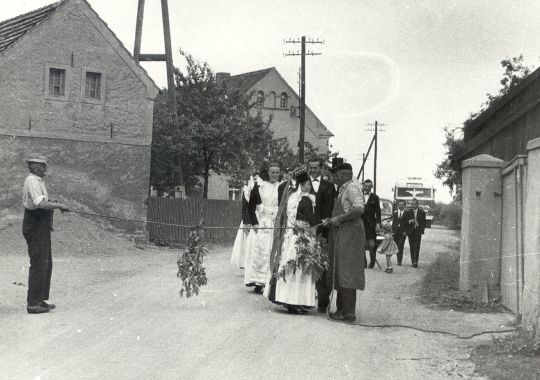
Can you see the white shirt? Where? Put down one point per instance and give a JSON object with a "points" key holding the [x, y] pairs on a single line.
{"points": [[366, 196], [400, 214], [316, 182], [34, 191]]}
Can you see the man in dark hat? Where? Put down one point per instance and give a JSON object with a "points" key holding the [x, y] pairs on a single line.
{"points": [[37, 226], [324, 192], [346, 243]]}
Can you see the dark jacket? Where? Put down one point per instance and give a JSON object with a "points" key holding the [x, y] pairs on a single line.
{"points": [[248, 212], [399, 225], [324, 203], [420, 218], [305, 212], [371, 215]]}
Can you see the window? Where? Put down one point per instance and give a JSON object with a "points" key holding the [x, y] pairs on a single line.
{"points": [[260, 99], [57, 81], [272, 99], [283, 101], [93, 85], [234, 194]]}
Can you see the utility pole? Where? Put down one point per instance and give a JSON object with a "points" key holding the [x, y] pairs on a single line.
{"points": [[375, 138], [167, 57], [303, 41], [365, 156], [363, 160]]}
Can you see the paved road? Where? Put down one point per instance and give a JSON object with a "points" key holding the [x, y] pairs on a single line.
{"points": [[119, 317]]}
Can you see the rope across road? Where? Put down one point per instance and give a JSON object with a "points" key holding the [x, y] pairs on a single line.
{"points": [[181, 225]]}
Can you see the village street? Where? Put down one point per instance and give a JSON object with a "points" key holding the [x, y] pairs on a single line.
{"points": [[119, 316]]}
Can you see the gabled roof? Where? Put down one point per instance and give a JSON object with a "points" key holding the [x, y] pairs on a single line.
{"points": [[246, 81], [13, 29]]}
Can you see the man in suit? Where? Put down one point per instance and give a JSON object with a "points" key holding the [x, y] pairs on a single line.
{"points": [[400, 229], [416, 218], [372, 219], [324, 204]]}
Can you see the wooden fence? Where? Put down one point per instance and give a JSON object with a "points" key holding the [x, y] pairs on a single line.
{"points": [[190, 211]]}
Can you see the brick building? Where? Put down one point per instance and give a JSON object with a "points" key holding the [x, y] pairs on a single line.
{"points": [[71, 91]]}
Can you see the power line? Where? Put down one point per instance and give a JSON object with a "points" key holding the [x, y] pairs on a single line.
{"points": [[302, 53]]}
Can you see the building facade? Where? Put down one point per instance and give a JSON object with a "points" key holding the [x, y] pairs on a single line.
{"points": [[276, 100], [69, 90], [505, 128]]}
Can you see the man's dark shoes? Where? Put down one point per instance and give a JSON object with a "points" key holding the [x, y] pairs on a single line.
{"points": [[399, 264], [322, 309], [37, 309], [371, 265], [337, 316], [51, 306], [415, 265], [258, 289]]}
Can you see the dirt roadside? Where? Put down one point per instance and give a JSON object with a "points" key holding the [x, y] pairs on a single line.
{"points": [[119, 316]]}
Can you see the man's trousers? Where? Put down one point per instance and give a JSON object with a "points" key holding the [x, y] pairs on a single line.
{"points": [[400, 242], [346, 302], [37, 232], [414, 244]]}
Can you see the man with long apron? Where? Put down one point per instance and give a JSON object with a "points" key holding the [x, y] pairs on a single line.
{"points": [[37, 226], [346, 243]]}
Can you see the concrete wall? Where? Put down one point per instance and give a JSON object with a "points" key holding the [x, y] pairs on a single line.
{"points": [[481, 227], [500, 234], [531, 257], [102, 177], [514, 180]]}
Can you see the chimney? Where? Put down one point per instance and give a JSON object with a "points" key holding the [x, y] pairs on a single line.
{"points": [[221, 77]]}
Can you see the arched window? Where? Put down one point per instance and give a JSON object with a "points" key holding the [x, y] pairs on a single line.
{"points": [[260, 99], [283, 101], [272, 100]]}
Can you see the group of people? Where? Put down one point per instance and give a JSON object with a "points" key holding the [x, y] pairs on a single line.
{"points": [[286, 225]]}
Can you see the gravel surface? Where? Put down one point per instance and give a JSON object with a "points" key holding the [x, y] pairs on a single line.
{"points": [[119, 316]]}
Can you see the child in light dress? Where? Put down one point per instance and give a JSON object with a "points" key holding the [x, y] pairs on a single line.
{"points": [[388, 246]]}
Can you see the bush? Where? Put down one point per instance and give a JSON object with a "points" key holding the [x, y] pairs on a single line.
{"points": [[448, 215]]}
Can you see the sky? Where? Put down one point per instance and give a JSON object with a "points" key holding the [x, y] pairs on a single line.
{"points": [[415, 66]]}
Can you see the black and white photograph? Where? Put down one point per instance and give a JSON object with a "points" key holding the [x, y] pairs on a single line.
{"points": [[234, 189]]}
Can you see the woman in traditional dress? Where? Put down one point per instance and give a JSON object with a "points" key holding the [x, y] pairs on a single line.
{"points": [[248, 219], [293, 284], [265, 197]]}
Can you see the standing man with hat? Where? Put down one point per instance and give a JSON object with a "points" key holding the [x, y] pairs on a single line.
{"points": [[346, 243], [324, 192], [37, 226]]}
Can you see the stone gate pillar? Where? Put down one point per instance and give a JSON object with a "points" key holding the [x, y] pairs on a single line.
{"points": [[531, 267], [481, 227]]}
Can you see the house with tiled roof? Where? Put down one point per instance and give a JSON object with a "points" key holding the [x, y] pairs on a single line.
{"points": [[71, 91], [277, 100]]}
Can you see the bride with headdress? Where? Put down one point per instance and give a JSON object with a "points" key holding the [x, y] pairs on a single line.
{"points": [[292, 282]]}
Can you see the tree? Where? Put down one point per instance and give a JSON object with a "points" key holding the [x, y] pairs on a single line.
{"points": [[449, 170], [215, 132]]}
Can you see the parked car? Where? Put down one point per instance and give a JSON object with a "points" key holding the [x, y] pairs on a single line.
{"points": [[387, 206]]}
